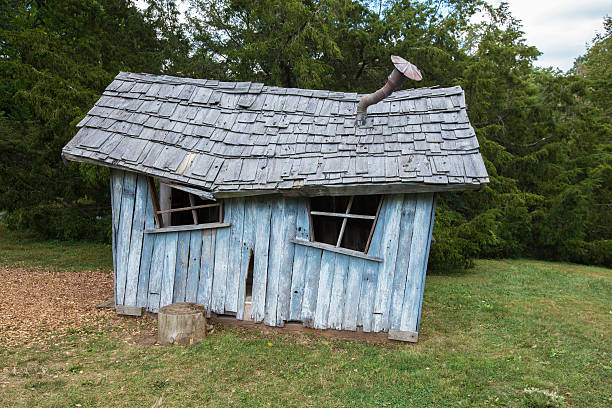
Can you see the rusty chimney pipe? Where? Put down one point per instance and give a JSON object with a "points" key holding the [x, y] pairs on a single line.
{"points": [[403, 70]]}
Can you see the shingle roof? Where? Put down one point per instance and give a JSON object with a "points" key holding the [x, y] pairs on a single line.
{"points": [[247, 138]]}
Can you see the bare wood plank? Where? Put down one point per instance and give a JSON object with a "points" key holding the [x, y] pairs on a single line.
{"points": [[343, 215], [154, 201], [367, 247], [195, 207], [332, 248], [260, 266], [408, 336], [194, 213], [179, 228], [200, 193]]}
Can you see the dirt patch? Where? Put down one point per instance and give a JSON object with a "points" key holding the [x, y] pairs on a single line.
{"points": [[41, 303]]}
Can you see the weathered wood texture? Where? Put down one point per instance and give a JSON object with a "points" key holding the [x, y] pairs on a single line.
{"points": [[291, 283], [181, 323]]}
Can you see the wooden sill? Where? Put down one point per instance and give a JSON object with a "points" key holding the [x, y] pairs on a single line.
{"points": [[338, 250], [188, 227]]}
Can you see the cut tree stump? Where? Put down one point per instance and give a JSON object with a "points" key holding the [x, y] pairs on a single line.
{"points": [[181, 323]]}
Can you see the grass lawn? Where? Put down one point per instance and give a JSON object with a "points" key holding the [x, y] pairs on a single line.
{"points": [[515, 333]]}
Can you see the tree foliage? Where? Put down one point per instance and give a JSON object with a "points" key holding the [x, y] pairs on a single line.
{"points": [[545, 135]]}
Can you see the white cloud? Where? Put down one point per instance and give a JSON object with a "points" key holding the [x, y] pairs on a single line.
{"points": [[560, 29]]}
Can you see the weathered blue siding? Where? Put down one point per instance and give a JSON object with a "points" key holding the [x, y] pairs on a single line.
{"points": [[291, 282]]}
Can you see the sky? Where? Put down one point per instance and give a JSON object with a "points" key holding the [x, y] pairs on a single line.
{"points": [[560, 29]]}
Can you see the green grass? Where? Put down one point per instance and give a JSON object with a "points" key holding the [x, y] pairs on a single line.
{"points": [[19, 249], [514, 333]]}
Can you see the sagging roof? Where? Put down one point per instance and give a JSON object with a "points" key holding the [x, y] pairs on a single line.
{"points": [[243, 138]]}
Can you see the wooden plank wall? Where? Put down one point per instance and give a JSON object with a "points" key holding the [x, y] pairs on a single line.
{"points": [[319, 288]]}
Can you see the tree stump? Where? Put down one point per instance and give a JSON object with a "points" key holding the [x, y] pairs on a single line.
{"points": [[181, 323]]}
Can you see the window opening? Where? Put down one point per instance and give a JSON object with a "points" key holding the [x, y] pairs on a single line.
{"points": [[173, 206], [344, 221]]}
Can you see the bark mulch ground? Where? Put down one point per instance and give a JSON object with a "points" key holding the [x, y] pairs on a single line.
{"points": [[40, 305]]}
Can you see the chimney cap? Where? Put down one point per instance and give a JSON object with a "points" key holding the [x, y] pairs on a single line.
{"points": [[406, 68]]}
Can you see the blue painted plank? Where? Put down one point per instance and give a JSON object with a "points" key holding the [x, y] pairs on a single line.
{"points": [[311, 285], [356, 268], [167, 287], [386, 269], [300, 260], [124, 234], [401, 264], [277, 229], [222, 244], [286, 261], [235, 255], [133, 267], [336, 303], [431, 227], [260, 265], [370, 274], [116, 187], [207, 266], [416, 265], [248, 238], [326, 277], [157, 271], [193, 270], [147, 253], [182, 262]]}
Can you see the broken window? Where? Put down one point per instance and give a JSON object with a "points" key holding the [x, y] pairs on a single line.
{"points": [[179, 205], [344, 221]]}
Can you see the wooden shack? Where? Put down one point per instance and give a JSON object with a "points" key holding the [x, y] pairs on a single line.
{"points": [[270, 204]]}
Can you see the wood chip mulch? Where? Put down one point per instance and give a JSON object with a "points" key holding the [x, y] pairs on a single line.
{"points": [[36, 305]]}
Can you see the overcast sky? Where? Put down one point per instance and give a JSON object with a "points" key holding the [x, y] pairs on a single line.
{"points": [[560, 29]]}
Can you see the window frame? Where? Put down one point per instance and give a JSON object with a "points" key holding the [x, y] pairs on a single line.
{"points": [[157, 212], [345, 216]]}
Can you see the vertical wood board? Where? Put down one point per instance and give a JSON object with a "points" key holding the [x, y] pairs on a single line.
{"points": [[260, 263], [124, 234], [403, 258], [235, 254], [193, 270], [420, 238], [137, 235]]}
